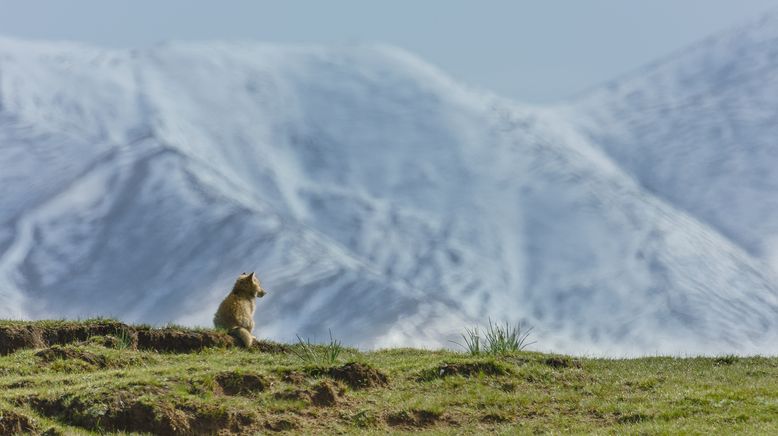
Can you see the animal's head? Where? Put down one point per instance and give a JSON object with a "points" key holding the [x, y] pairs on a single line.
{"points": [[248, 285]]}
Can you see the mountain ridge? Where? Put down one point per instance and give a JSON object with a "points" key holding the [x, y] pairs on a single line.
{"points": [[707, 114], [374, 196]]}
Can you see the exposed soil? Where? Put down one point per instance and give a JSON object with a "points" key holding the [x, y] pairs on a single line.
{"points": [[15, 423], [464, 369], [493, 418], [143, 417], [561, 362], [68, 334], [121, 413], [58, 352], [293, 395], [266, 346], [114, 334], [18, 337], [211, 420], [326, 394], [357, 375], [294, 377], [244, 384], [280, 425], [126, 413], [13, 338], [169, 340], [104, 341], [20, 384], [413, 418]]}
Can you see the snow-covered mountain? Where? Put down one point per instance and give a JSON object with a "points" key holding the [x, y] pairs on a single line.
{"points": [[377, 197], [700, 130]]}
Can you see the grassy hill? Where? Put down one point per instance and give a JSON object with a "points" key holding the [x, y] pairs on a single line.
{"points": [[102, 376]]}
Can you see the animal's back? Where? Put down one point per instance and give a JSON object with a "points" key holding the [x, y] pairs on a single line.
{"points": [[235, 312]]}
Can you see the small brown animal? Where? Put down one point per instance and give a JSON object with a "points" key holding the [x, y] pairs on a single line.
{"points": [[236, 312]]}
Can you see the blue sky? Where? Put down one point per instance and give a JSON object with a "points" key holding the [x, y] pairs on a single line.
{"points": [[531, 51]]}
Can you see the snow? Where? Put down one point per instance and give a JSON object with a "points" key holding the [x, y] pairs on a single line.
{"points": [[699, 130], [379, 198]]}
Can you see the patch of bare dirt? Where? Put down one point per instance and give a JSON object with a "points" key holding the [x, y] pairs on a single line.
{"points": [[15, 423], [117, 414], [561, 362], [68, 334], [18, 337], [103, 341], [293, 377], [280, 425], [21, 384], [494, 418], [466, 369], [412, 418], [293, 395], [137, 416], [13, 338], [358, 375], [115, 334], [326, 394], [181, 341], [233, 383], [126, 413], [59, 353], [211, 420], [265, 346]]}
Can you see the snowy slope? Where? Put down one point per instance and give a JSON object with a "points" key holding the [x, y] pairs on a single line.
{"points": [[700, 130], [373, 195]]}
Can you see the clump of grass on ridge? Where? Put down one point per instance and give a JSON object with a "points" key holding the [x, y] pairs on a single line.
{"points": [[318, 354], [497, 339]]}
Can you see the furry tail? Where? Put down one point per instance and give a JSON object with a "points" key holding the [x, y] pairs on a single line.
{"points": [[244, 335]]}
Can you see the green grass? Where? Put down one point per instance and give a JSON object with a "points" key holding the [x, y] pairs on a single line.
{"points": [[326, 354], [436, 392], [495, 339]]}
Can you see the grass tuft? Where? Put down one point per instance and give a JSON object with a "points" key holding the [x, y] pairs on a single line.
{"points": [[472, 338], [506, 339], [498, 339], [728, 359], [124, 340], [324, 355]]}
